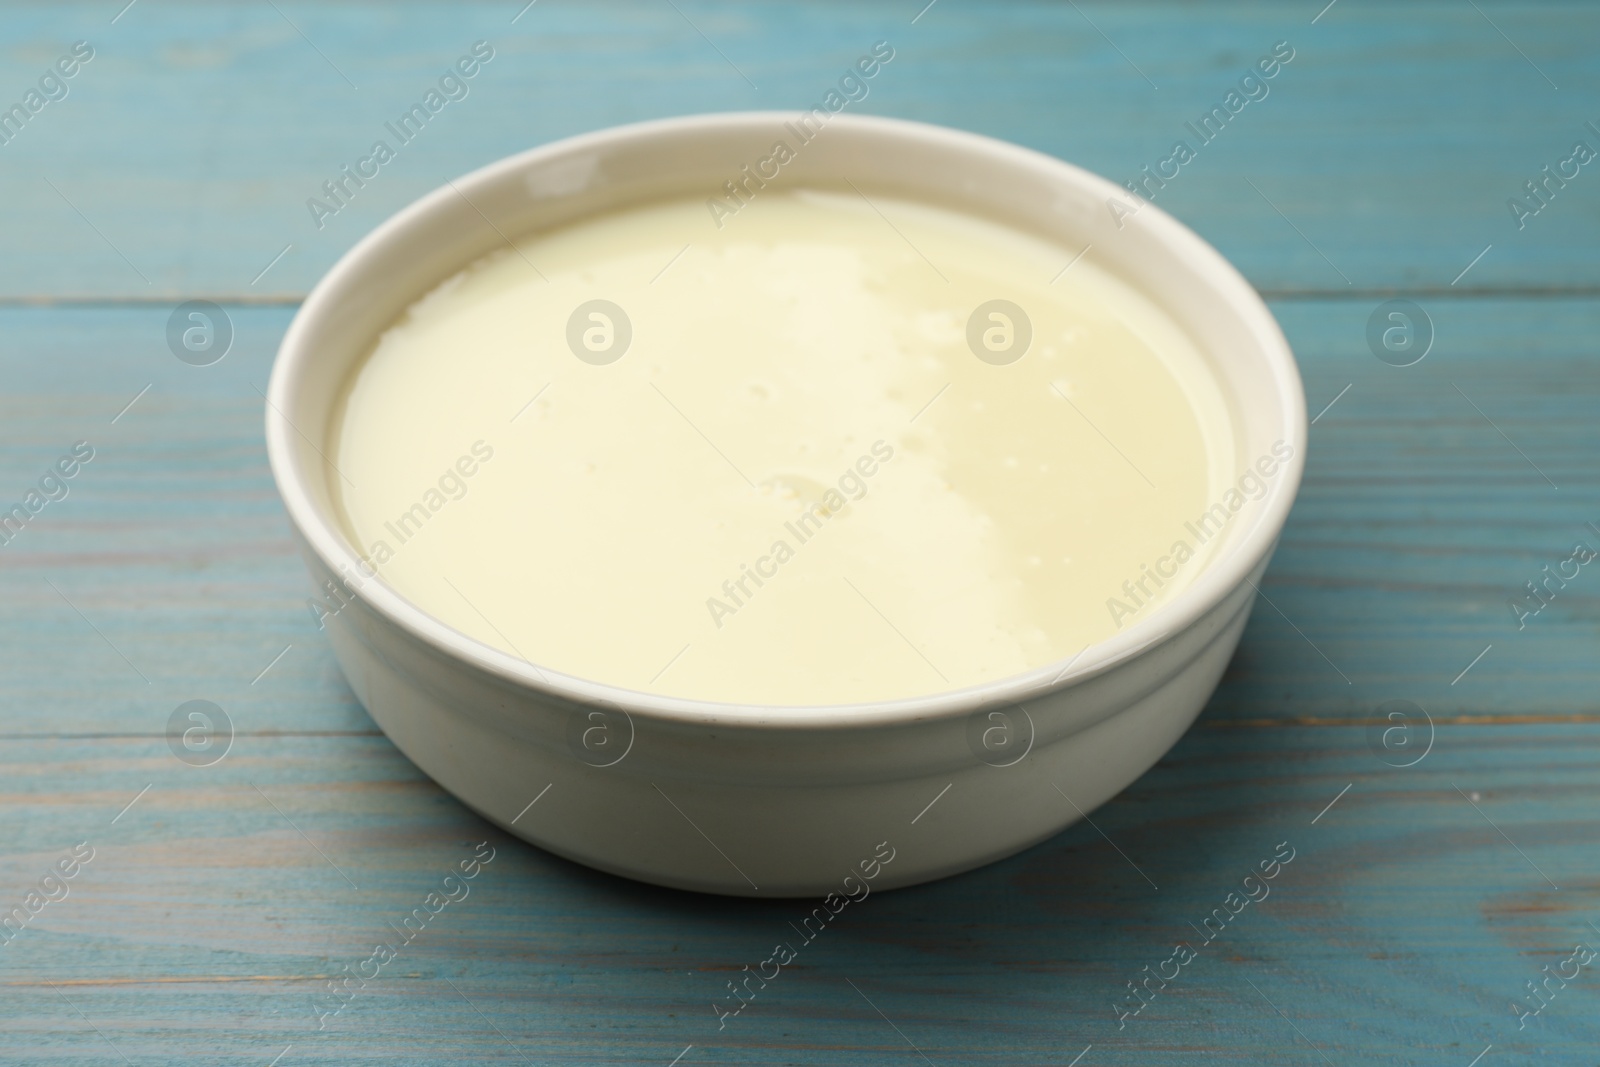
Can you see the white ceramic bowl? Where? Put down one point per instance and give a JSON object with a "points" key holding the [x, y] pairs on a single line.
{"points": [[782, 801]]}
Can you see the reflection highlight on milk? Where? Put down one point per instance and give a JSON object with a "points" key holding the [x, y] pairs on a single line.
{"points": [[846, 451]]}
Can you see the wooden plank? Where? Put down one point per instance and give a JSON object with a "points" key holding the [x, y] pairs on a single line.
{"points": [[168, 572], [1417, 525], [201, 927], [1390, 143], [1424, 512]]}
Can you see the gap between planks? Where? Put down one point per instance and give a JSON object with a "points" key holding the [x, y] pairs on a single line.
{"points": [[1373, 720], [1204, 724], [101, 735], [187, 979], [1431, 292]]}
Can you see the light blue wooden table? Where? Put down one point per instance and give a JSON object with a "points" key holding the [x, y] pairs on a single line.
{"points": [[220, 900]]}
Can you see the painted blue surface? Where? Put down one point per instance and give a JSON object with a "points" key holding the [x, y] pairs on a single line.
{"points": [[219, 903]]}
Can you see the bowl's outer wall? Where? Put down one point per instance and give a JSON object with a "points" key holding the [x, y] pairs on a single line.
{"points": [[791, 809], [749, 801]]}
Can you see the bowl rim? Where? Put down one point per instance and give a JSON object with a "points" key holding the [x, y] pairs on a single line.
{"points": [[1217, 580]]}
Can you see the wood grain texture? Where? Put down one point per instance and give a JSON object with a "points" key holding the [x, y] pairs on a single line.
{"points": [[1392, 140], [206, 923], [220, 902]]}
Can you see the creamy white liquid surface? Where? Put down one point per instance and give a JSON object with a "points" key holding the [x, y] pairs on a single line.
{"points": [[621, 504]]}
